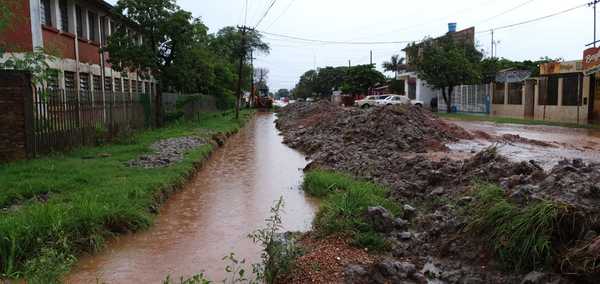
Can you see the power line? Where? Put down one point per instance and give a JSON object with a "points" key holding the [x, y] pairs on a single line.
{"points": [[506, 12], [265, 14], [335, 42], [280, 15], [535, 20]]}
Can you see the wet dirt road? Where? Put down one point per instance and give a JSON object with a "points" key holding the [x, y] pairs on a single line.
{"points": [[229, 198], [564, 143]]}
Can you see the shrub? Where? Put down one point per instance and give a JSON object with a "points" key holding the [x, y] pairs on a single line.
{"points": [[346, 201], [522, 238]]}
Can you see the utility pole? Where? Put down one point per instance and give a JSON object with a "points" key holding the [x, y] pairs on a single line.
{"points": [[371, 57], [492, 46], [240, 71], [252, 79], [349, 63], [593, 5]]}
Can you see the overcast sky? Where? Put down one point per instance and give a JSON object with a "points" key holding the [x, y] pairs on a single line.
{"points": [[563, 36]]}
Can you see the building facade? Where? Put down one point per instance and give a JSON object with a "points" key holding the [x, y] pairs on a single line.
{"points": [[417, 88], [560, 94], [73, 33]]}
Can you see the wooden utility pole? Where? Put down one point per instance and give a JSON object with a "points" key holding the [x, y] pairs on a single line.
{"points": [[251, 103], [240, 71]]}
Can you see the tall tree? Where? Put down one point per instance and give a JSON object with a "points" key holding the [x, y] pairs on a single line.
{"points": [[395, 64], [361, 78], [446, 63], [161, 32], [282, 93]]}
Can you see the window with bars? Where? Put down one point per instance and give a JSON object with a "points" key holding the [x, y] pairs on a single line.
{"points": [[139, 86], [93, 26], [572, 90], [127, 86], [79, 16], [134, 88], [97, 84], [549, 94], [84, 82], [108, 86], [118, 85], [147, 86], [53, 80], [46, 12], [498, 97], [515, 93], [69, 80], [64, 15], [104, 29]]}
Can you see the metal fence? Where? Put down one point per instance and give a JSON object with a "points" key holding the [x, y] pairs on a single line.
{"points": [[63, 119], [468, 98]]}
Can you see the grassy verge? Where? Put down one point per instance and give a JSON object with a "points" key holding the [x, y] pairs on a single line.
{"points": [[523, 237], [509, 120], [345, 201], [58, 206]]}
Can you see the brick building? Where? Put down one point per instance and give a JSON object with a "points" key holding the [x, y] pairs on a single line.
{"points": [[73, 31]]}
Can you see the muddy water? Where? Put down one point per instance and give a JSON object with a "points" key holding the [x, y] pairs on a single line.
{"points": [[229, 198], [566, 143]]}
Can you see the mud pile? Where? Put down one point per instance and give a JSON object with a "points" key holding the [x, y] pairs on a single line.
{"points": [[380, 144], [331, 131]]}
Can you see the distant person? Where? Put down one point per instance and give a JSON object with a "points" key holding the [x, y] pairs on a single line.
{"points": [[434, 104]]}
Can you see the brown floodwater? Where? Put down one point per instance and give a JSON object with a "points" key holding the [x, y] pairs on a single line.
{"points": [[212, 216], [566, 143]]}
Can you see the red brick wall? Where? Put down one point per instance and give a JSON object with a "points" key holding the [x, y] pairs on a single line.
{"points": [[89, 53], [60, 44], [17, 36], [15, 87]]}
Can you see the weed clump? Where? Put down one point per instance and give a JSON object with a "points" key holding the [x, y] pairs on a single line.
{"points": [[521, 237], [345, 202]]}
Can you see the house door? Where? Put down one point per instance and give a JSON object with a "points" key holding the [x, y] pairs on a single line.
{"points": [[412, 91], [529, 99], [594, 104]]}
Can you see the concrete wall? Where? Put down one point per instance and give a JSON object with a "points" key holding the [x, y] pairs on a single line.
{"points": [[514, 111], [425, 93]]}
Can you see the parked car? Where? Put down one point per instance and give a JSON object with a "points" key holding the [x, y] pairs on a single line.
{"points": [[393, 100], [370, 101], [310, 100], [398, 99]]}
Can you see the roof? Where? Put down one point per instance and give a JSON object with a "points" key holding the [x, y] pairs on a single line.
{"points": [[467, 35]]}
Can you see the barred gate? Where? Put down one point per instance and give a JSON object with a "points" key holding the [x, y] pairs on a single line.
{"points": [[62, 119], [468, 98]]}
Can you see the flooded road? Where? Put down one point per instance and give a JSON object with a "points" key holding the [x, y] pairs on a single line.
{"points": [[229, 198], [564, 143]]}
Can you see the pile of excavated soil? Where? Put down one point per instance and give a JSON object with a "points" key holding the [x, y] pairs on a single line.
{"points": [[374, 144], [331, 130]]}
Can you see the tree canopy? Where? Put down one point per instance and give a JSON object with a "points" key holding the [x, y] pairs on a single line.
{"points": [[178, 49], [352, 80], [446, 63]]}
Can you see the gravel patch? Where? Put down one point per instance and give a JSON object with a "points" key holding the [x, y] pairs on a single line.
{"points": [[167, 152]]}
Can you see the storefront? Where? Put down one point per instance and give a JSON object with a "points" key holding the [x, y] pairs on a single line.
{"points": [[562, 92], [591, 69]]}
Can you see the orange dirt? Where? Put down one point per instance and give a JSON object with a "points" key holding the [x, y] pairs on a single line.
{"points": [[324, 260]]}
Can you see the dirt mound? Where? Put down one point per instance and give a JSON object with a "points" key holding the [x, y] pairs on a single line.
{"points": [[330, 130], [375, 143]]}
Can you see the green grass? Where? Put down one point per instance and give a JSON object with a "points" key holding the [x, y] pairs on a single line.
{"points": [[345, 201], [509, 120], [521, 237], [92, 195]]}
